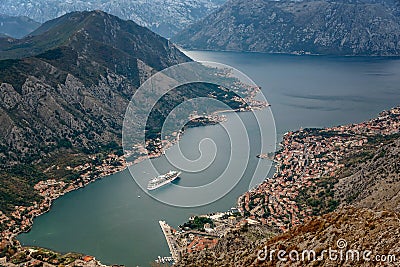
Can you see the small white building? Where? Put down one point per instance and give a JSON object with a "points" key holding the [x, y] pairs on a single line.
{"points": [[207, 228]]}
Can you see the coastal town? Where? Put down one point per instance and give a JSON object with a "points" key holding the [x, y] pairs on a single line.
{"points": [[21, 219], [306, 157], [154, 148], [99, 166], [200, 232]]}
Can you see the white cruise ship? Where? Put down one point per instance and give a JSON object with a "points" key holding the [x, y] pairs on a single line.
{"points": [[162, 180]]}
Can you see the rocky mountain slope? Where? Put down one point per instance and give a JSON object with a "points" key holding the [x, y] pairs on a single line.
{"points": [[63, 96], [361, 230], [69, 83], [16, 27], [371, 178], [345, 27], [163, 17]]}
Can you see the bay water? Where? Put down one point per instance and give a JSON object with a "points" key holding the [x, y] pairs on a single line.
{"points": [[108, 220]]}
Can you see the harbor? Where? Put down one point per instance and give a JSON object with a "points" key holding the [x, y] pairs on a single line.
{"points": [[168, 233], [112, 204]]}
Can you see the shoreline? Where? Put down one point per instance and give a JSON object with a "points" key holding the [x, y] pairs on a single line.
{"points": [[295, 54], [298, 166], [107, 170], [49, 185], [51, 189], [306, 157], [44, 187]]}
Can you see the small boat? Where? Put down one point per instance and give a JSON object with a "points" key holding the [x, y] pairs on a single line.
{"points": [[269, 156]]}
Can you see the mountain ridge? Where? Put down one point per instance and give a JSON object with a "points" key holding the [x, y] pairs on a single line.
{"points": [[67, 100], [64, 91], [247, 246], [73, 66], [299, 27], [164, 17], [82, 25], [16, 26]]}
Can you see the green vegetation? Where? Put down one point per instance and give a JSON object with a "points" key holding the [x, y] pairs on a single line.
{"points": [[53, 257], [202, 121], [19, 257], [376, 139], [198, 223], [173, 98], [319, 197], [16, 186], [41, 254], [367, 152], [11, 73], [7, 250], [16, 182]]}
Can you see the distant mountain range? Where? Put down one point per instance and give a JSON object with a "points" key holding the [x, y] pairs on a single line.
{"points": [[344, 27], [164, 17], [16, 27]]}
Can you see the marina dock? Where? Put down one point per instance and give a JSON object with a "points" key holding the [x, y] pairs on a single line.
{"points": [[173, 247]]}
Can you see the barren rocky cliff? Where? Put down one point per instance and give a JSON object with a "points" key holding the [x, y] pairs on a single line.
{"points": [[345, 27], [68, 84], [164, 17]]}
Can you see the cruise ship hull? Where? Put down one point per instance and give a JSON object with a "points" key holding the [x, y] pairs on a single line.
{"points": [[163, 180]]}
